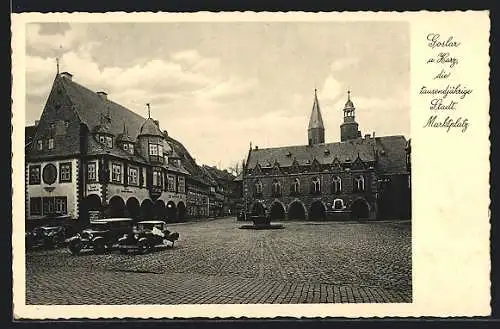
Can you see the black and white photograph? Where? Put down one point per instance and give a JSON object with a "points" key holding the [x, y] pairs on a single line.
{"points": [[256, 165], [218, 163]]}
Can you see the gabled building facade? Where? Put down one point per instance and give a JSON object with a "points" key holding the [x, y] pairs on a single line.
{"points": [[90, 157], [357, 178], [226, 191]]}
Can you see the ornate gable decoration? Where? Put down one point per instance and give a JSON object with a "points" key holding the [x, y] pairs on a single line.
{"points": [[336, 164], [358, 164], [295, 168], [257, 170], [315, 165]]}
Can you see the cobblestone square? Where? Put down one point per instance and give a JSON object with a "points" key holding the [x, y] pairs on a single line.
{"points": [[215, 262]]}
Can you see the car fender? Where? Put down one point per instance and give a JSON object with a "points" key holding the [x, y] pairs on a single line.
{"points": [[73, 238], [123, 238]]}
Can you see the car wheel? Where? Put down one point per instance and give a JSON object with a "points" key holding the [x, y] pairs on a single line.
{"points": [[142, 247], [99, 247], [75, 247], [48, 244]]}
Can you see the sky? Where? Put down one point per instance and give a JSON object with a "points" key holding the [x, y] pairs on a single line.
{"points": [[217, 86]]}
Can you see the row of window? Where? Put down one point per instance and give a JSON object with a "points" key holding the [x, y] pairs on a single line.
{"points": [[133, 177], [48, 205], [359, 185], [49, 143], [50, 173]]}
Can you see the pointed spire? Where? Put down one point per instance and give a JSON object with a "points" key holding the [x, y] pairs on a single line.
{"points": [[149, 110], [58, 59], [125, 130], [316, 120]]}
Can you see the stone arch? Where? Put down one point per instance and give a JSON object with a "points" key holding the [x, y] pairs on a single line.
{"points": [[181, 210], [159, 210], [147, 209], [116, 207], [171, 211], [257, 209], [360, 209], [317, 210], [133, 207], [277, 211], [296, 210], [91, 208]]}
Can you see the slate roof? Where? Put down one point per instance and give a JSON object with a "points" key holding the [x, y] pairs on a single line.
{"points": [[90, 108], [305, 154], [239, 178], [187, 161], [96, 148], [391, 152], [219, 174], [150, 128], [316, 121]]}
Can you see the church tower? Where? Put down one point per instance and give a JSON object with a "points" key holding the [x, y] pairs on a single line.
{"points": [[349, 128], [316, 129]]}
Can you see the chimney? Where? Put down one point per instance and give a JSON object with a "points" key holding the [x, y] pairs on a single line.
{"points": [[103, 95], [66, 75], [256, 147], [373, 135], [37, 122], [157, 122]]}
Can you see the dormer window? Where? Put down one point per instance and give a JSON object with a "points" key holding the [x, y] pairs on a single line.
{"points": [[51, 143], [131, 148], [153, 149], [39, 145], [109, 141], [125, 147], [156, 152], [102, 139]]}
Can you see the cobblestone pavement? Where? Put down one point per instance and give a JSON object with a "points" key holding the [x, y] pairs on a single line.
{"points": [[215, 262]]}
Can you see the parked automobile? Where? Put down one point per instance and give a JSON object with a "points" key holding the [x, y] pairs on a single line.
{"points": [[45, 236], [146, 236], [101, 236]]}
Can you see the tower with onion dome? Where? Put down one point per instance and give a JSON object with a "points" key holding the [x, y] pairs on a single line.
{"points": [[349, 128]]}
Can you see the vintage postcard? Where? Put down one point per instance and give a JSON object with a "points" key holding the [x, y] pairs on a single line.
{"points": [[251, 165]]}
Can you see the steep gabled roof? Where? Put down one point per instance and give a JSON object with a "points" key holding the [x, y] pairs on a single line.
{"points": [[90, 107], [316, 121], [187, 161], [219, 174]]}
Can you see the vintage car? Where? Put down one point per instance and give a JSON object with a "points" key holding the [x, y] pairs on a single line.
{"points": [[146, 236], [45, 236], [101, 236]]}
